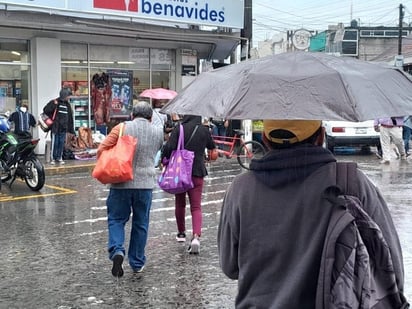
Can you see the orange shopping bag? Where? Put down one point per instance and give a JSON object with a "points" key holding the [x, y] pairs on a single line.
{"points": [[116, 164]]}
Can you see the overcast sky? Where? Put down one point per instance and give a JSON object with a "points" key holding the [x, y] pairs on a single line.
{"points": [[273, 16]]}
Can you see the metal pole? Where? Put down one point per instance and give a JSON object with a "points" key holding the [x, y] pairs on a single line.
{"points": [[400, 29], [247, 30], [246, 34]]}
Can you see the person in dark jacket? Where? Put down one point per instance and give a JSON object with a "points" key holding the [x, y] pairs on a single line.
{"points": [[274, 218], [197, 139], [23, 121], [61, 110]]}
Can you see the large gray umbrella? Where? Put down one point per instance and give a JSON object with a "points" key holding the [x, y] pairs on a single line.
{"points": [[298, 85]]}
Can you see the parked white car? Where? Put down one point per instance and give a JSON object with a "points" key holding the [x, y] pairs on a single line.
{"points": [[353, 134]]}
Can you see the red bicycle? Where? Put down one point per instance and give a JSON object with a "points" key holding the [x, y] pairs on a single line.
{"points": [[235, 146]]}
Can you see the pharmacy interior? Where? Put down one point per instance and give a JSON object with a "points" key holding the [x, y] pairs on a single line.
{"points": [[14, 74], [105, 81]]}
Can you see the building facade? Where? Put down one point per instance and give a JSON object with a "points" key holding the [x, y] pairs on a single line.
{"points": [[111, 49], [380, 44]]}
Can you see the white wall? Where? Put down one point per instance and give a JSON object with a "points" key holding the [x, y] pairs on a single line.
{"points": [[46, 78]]}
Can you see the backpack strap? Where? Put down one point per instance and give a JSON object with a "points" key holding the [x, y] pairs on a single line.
{"points": [[345, 175], [191, 136], [55, 110]]}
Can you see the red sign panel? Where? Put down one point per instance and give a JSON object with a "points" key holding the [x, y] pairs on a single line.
{"points": [[120, 5]]}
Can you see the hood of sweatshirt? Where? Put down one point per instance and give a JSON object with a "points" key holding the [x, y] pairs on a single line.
{"points": [[280, 166], [192, 119]]}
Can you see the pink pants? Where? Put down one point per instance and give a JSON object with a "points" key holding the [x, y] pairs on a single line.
{"points": [[195, 199]]}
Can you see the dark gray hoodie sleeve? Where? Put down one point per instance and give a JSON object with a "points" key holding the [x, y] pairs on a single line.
{"points": [[227, 239]]}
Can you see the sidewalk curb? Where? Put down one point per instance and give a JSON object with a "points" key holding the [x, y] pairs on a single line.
{"points": [[68, 169]]}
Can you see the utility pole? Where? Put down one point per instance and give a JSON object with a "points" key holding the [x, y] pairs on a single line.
{"points": [[401, 7], [246, 32]]}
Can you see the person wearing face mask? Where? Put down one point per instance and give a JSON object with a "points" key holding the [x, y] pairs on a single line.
{"points": [[23, 121]]}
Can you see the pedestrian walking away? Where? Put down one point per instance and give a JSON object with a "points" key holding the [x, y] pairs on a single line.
{"points": [[406, 133], [134, 196], [274, 219], [390, 129], [159, 120], [197, 138], [62, 124]]}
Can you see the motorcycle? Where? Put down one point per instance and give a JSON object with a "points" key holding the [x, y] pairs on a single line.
{"points": [[18, 159]]}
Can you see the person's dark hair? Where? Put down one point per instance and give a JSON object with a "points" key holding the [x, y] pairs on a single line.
{"points": [[287, 134], [142, 109]]}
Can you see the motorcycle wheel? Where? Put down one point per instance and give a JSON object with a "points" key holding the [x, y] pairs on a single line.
{"points": [[4, 175], [35, 176]]}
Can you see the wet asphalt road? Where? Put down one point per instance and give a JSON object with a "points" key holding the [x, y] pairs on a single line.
{"points": [[53, 246]]}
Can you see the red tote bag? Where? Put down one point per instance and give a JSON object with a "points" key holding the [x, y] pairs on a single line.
{"points": [[115, 165]]}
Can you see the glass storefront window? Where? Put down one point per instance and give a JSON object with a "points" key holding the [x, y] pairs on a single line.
{"points": [[119, 57], [76, 79], [141, 81], [162, 59], [14, 74], [129, 70], [161, 79]]}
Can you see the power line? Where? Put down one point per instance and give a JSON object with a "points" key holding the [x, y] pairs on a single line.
{"points": [[313, 15]]}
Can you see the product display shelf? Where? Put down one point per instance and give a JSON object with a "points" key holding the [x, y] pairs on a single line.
{"points": [[81, 111]]}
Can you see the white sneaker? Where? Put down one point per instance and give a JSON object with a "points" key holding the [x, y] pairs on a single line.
{"points": [[53, 162], [385, 162], [138, 270], [181, 237], [194, 247], [61, 162]]}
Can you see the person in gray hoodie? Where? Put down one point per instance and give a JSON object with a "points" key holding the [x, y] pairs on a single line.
{"points": [[274, 221]]}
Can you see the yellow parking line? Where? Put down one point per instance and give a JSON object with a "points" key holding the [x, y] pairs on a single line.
{"points": [[61, 189], [9, 198]]}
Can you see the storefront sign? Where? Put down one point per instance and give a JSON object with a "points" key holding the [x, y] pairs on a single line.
{"points": [[399, 61], [161, 56], [222, 13], [189, 60], [188, 70], [139, 55]]}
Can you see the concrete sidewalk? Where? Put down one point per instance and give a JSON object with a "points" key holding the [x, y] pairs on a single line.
{"points": [[70, 166]]}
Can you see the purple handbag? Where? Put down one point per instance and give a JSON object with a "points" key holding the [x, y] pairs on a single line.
{"points": [[176, 175]]}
